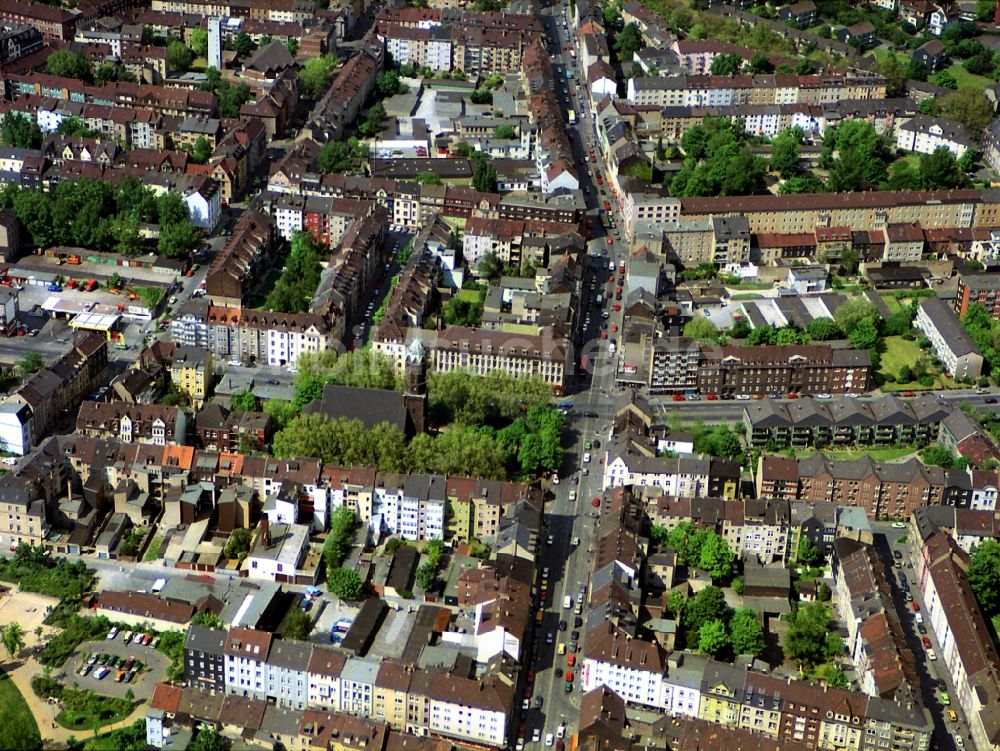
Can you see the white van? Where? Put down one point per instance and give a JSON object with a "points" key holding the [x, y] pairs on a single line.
{"points": [[567, 602]]}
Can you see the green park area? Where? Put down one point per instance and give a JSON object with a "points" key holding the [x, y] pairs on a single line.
{"points": [[18, 731]]}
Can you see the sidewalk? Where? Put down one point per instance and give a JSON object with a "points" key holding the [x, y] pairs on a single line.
{"points": [[53, 734]]}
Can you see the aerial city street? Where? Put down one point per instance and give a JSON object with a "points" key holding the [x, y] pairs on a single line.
{"points": [[481, 375]]}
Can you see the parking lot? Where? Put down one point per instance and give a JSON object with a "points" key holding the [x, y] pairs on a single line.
{"points": [[155, 667]]}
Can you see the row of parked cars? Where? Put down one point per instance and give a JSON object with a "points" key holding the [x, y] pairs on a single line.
{"points": [[135, 637], [103, 665]]}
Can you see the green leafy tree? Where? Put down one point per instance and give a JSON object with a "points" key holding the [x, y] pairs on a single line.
{"points": [[69, 64], [708, 605], [712, 638], [968, 106], [338, 542], [628, 41], [937, 455], [30, 364], [658, 534], [484, 177], [811, 638], [429, 178], [785, 152], [850, 314], [726, 64], [202, 151], [293, 46], [939, 170], [761, 63], [230, 98], [20, 131], [12, 638], [388, 84], [715, 557], [984, 576], [294, 290], [316, 74], [207, 739], [864, 335], [179, 56], [808, 554], [199, 42], [75, 127], [505, 132], [178, 239], [345, 583], [861, 161], [238, 544], [243, 44], [490, 267], [298, 625], [244, 401], [426, 577], [700, 328], [208, 619], [835, 677], [747, 633]]}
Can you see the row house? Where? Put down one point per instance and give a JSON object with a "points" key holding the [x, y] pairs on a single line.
{"points": [[298, 675], [882, 490], [922, 134], [348, 91], [52, 21], [715, 91], [876, 639], [243, 260], [30, 412], [166, 100], [221, 429], [844, 421], [966, 526], [967, 651], [138, 423], [679, 475], [734, 370], [411, 506]]}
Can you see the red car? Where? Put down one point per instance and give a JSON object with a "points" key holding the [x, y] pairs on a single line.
{"points": [[596, 503], [617, 308], [926, 641], [711, 397], [600, 181], [611, 278], [916, 607], [678, 397], [793, 395]]}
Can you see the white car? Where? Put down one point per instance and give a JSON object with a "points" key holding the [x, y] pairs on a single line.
{"points": [[586, 458], [549, 739], [112, 633], [536, 735], [561, 731], [555, 479]]}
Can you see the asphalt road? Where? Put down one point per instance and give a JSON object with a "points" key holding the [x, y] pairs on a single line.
{"points": [[570, 565], [934, 678]]}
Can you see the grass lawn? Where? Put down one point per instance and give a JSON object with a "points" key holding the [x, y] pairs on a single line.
{"points": [[877, 453], [153, 551], [18, 730], [898, 352], [967, 79], [910, 160], [892, 303], [746, 296], [884, 54], [474, 296], [83, 710], [259, 296]]}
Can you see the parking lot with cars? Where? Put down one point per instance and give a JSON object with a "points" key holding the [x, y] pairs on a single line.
{"points": [[113, 666]]}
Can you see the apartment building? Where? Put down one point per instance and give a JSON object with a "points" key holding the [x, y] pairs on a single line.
{"points": [[734, 370], [191, 371], [876, 639], [31, 411], [844, 421], [922, 134], [716, 91], [959, 355], [22, 517], [967, 651], [860, 211], [882, 490], [678, 475], [978, 289], [295, 675], [632, 668], [348, 91], [52, 21], [132, 423]]}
